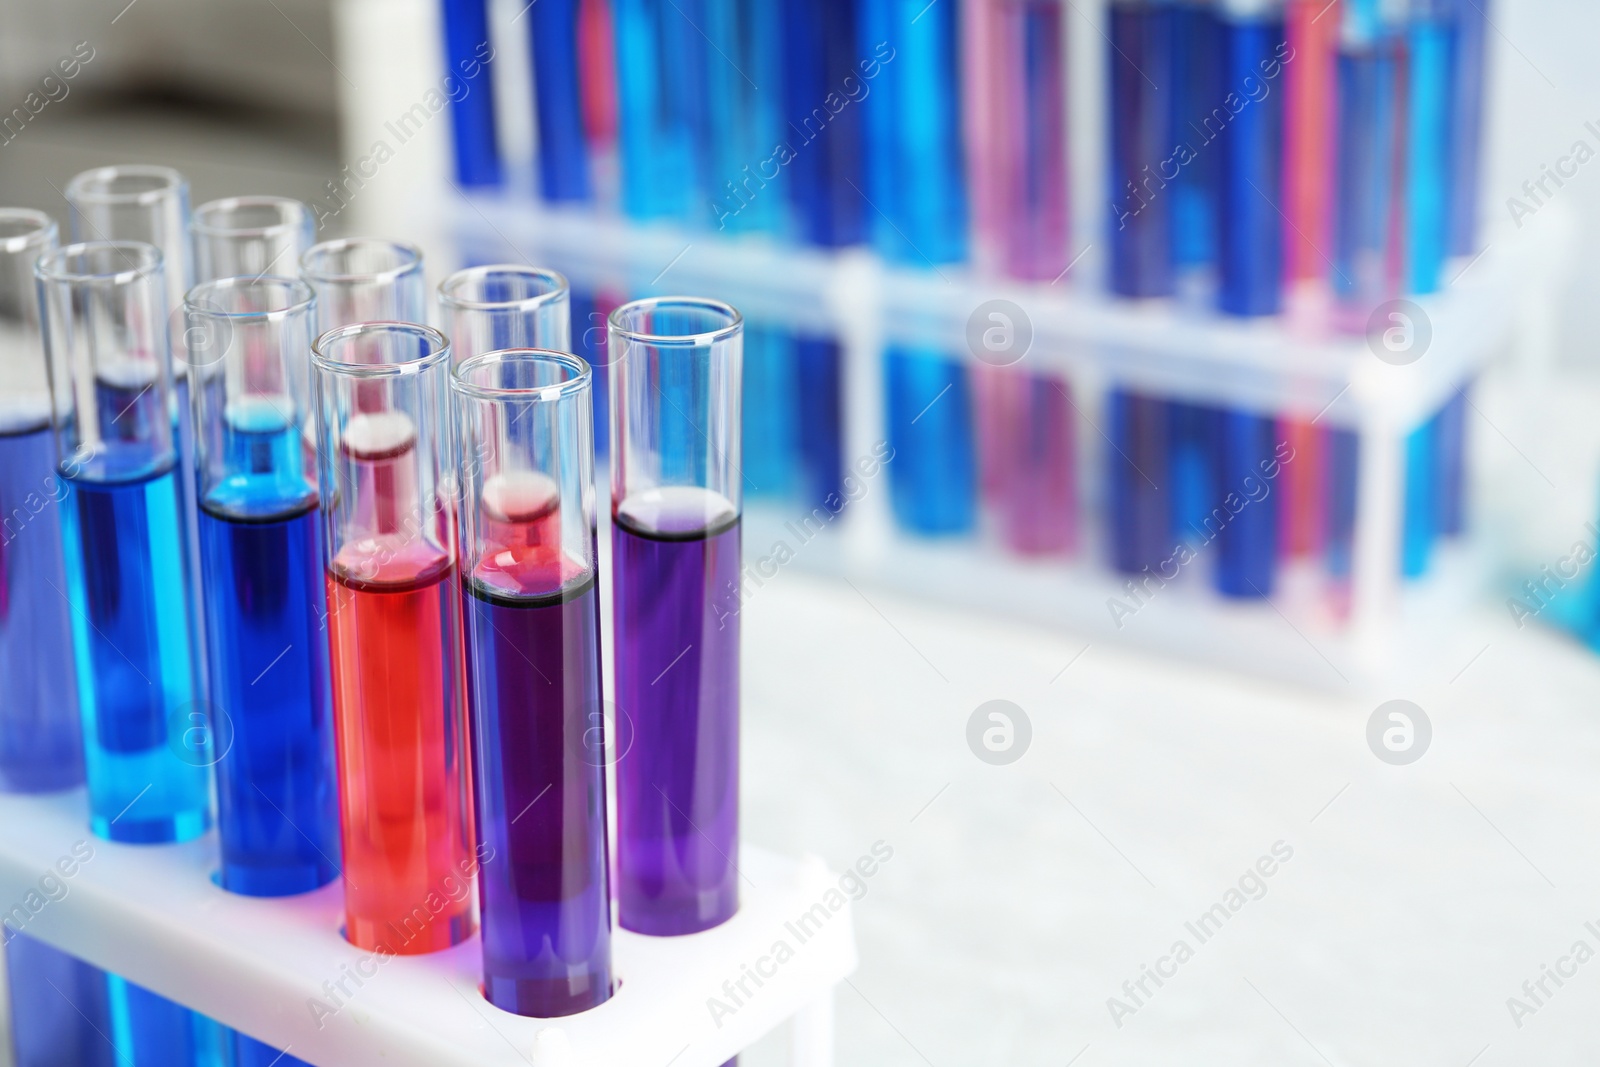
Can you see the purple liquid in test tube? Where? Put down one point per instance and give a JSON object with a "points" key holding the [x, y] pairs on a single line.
{"points": [[525, 442], [675, 496]]}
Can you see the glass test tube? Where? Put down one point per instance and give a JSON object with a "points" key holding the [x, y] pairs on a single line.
{"points": [[261, 560], [745, 179], [467, 54], [488, 309], [41, 740], [147, 746], [1250, 248], [1466, 124], [675, 505], [916, 170], [248, 236], [1367, 160], [771, 404], [660, 57], [1197, 81], [59, 1011], [365, 279], [1430, 62], [139, 203], [394, 635], [826, 176], [532, 616], [559, 97]]}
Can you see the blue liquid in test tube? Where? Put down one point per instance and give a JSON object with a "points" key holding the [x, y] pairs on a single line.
{"points": [[1364, 198], [1247, 546], [564, 174], [660, 60], [127, 545], [261, 559], [1466, 124], [1421, 517], [248, 1052], [771, 446], [1250, 244], [826, 177], [1431, 39], [745, 178], [467, 50], [151, 1031], [59, 1007], [817, 359], [41, 742], [1451, 451], [916, 178], [1197, 57]]}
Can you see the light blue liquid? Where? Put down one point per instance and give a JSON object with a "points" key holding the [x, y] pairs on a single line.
{"points": [[151, 1031], [1421, 501], [146, 734], [661, 62], [747, 186], [41, 744], [933, 479], [1429, 92]]}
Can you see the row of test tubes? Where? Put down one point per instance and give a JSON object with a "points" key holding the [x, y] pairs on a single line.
{"points": [[282, 540]]}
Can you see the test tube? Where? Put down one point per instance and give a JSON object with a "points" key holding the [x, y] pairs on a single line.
{"points": [[1310, 90], [468, 55], [532, 616], [488, 309], [261, 560], [365, 279], [821, 423], [41, 742], [675, 506], [916, 170], [248, 236], [559, 95], [394, 635], [660, 57], [59, 1009], [1367, 161], [1430, 59], [1466, 124], [1037, 495], [745, 172], [771, 444], [1191, 164], [826, 177], [140, 203], [1250, 246], [127, 542]]}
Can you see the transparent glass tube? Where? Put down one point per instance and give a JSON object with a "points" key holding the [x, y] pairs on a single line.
{"points": [[265, 603], [489, 309], [365, 279], [675, 506], [525, 446], [41, 745], [381, 394], [126, 538], [249, 236], [59, 1006]]}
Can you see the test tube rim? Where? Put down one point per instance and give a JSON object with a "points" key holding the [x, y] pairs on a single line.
{"points": [[50, 266], [440, 350], [82, 187], [304, 298], [559, 287], [340, 244], [198, 224], [44, 229], [583, 376], [698, 340]]}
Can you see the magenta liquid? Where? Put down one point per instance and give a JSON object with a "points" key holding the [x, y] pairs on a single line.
{"points": [[675, 560]]}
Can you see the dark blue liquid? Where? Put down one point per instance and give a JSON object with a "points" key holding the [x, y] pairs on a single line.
{"points": [[1141, 501], [1143, 107], [41, 742], [771, 449], [821, 430], [466, 37], [589, 341], [1364, 202], [933, 481], [248, 1052], [272, 701], [1247, 546], [1250, 259], [826, 175], [558, 96], [59, 1008], [540, 785], [1196, 53], [277, 808]]}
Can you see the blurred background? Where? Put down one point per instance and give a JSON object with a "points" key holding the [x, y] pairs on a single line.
{"points": [[1162, 752]]}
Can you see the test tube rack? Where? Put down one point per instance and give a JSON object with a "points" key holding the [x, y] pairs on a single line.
{"points": [[278, 969], [1497, 307]]}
